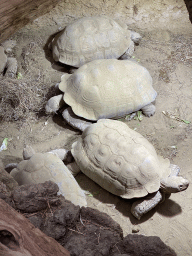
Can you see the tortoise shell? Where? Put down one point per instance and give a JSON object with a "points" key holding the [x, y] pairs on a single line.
{"points": [[42, 167], [119, 159], [90, 38], [107, 89]]}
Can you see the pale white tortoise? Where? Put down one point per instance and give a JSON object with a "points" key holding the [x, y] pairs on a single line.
{"points": [[104, 89], [41, 167], [126, 164], [91, 38]]}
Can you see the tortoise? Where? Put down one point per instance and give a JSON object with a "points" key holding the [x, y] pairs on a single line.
{"points": [[126, 164], [41, 167], [91, 38], [104, 89]]}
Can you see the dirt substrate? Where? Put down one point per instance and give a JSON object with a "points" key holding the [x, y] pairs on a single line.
{"points": [[165, 50]]}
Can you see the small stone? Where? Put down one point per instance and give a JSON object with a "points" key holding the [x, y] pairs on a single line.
{"points": [[135, 230]]}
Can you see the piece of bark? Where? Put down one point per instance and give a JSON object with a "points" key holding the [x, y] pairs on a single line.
{"points": [[15, 14], [18, 237]]}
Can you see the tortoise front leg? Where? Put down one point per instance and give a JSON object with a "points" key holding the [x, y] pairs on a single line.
{"points": [[145, 204]]}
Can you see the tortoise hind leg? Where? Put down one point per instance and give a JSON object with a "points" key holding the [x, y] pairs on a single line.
{"points": [[135, 37], [54, 104], [129, 52], [149, 110], [11, 67], [75, 121], [144, 205]]}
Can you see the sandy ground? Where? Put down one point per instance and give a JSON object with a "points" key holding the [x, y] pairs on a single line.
{"points": [[166, 52]]}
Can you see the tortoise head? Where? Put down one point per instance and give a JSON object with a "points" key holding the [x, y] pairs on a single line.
{"points": [[174, 184]]}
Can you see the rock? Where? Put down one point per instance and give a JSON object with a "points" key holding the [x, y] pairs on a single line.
{"points": [[7, 179], [58, 224], [95, 234], [101, 219], [4, 194], [36, 197], [139, 245]]}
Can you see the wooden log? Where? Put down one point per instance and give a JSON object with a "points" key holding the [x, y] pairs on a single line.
{"points": [[18, 237], [15, 14], [188, 4]]}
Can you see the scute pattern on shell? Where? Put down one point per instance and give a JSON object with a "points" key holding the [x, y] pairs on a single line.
{"points": [[108, 89], [90, 38], [42, 167], [119, 159]]}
